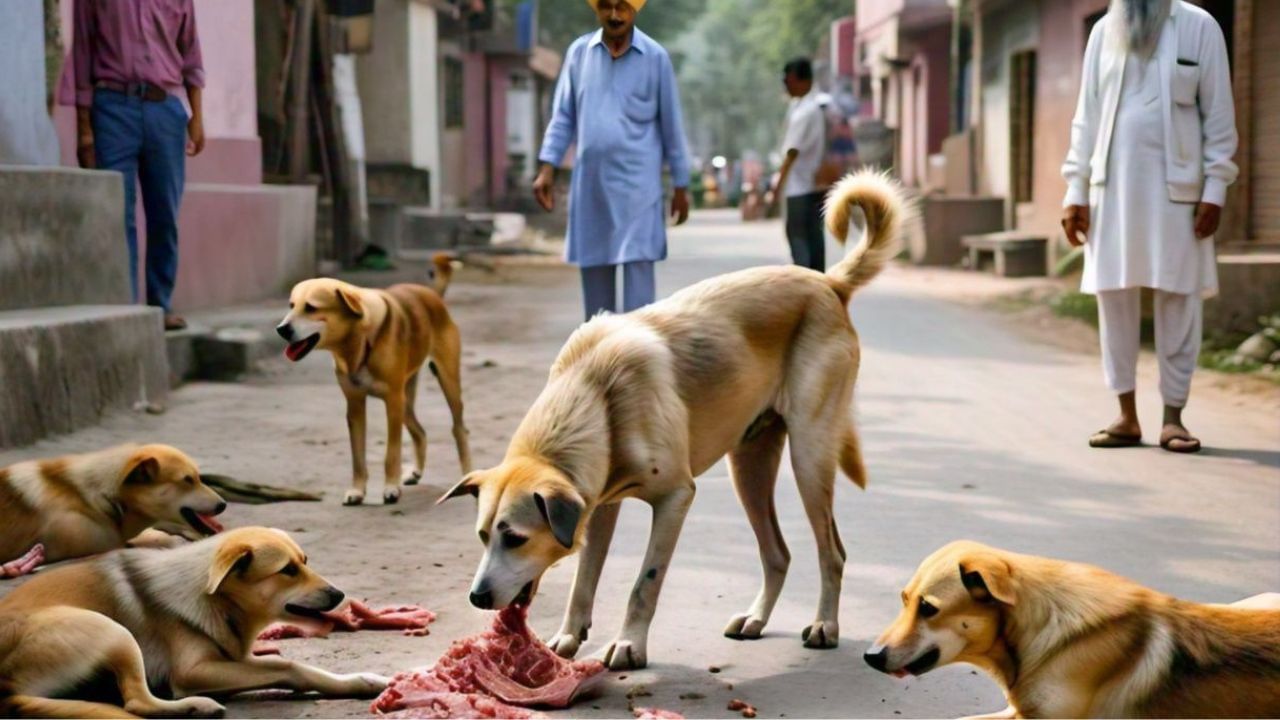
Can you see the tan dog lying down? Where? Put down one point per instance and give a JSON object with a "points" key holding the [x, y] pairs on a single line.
{"points": [[638, 405], [81, 505], [183, 618], [1070, 640], [379, 340]]}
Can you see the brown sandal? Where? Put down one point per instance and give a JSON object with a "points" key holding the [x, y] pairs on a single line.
{"points": [[1104, 438], [1185, 445]]}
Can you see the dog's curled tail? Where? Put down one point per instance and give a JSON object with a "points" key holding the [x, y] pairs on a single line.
{"points": [[885, 206], [441, 272]]}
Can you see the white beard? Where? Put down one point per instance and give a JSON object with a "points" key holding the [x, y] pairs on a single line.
{"points": [[1136, 24]]}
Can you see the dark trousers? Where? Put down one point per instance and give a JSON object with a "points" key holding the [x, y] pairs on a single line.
{"points": [[146, 142], [600, 287], [804, 230]]}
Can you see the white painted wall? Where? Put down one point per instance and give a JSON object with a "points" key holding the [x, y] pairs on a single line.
{"points": [[26, 133]]}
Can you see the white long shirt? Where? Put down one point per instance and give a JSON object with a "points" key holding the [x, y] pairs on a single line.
{"points": [[1196, 106]]}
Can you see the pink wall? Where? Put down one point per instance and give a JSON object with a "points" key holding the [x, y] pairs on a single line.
{"points": [[926, 109], [474, 123], [1058, 63]]}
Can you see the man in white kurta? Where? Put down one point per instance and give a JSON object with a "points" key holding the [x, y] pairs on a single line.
{"points": [[1150, 162]]}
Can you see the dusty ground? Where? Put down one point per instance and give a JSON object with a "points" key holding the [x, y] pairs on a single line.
{"points": [[971, 429]]}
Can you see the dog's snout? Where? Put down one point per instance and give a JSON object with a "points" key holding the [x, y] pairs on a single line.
{"points": [[877, 657], [219, 508], [335, 596], [285, 330], [483, 599]]}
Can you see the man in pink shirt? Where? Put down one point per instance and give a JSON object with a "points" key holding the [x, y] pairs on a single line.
{"points": [[131, 60]]}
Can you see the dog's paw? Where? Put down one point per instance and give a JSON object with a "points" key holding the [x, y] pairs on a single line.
{"points": [[566, 644], [412, 478], [821, 635], [365, 684], [625, 655], [744, 627], [353, 497], [391, 495]]}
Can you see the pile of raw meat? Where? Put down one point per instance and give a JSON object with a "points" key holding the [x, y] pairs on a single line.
{"points": [[496, 674]]}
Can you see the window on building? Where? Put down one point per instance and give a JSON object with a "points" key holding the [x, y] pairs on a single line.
{"points": [[453, 88]]}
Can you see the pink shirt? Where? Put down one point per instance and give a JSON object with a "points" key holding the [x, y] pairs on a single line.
{"points": [[135, 41]]}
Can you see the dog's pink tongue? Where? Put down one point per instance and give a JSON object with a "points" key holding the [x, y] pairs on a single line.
{"points": [[212, 522], [293, 350]]}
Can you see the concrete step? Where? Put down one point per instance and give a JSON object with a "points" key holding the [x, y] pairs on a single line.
{"points": [[64, 368], [61, 238], [223, 354]]}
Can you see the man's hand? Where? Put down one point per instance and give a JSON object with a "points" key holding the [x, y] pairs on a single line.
{"points": [[84, 139], [84, 151], [680, 205], [1208, 216], [1075, 223], [195, 135], [544, 187]]}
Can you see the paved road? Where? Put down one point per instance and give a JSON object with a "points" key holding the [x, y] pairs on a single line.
{"points": [[969, 430]]}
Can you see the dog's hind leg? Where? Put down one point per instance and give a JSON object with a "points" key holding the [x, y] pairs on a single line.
{"points": [[416, 431], [577, 616], [754, 467], [822, 390], [448, 360], [69, 645]]}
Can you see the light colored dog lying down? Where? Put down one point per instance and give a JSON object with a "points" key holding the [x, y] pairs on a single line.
{"points": [[1066, 639], [638, 405], [79, 505], [184, 619]]}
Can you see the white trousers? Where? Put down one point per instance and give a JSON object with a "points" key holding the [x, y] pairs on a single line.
{"points": [[1178, 325]]}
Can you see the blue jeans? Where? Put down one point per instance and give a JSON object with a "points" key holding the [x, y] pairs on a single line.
{"points": [[600, 287], [146, 142]]}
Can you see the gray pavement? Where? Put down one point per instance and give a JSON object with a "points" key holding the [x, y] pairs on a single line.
{"points": [[970, 431]]}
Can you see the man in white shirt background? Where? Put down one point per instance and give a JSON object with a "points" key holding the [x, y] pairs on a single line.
{"points": [[1150, 161], [802, 149]]}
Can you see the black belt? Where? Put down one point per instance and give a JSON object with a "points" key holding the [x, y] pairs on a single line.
{"points": [[143, 91]]}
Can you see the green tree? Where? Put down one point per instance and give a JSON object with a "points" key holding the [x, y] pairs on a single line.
{"points": [[731, 74]]}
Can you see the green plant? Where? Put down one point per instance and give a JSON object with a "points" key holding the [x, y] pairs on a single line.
{"points": [[1076, 305]]}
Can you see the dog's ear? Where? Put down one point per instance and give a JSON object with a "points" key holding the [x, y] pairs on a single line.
{"points": [[562, 512], [350, 301], [229, 558], [988, 578], [141, 469], [468, 485]]}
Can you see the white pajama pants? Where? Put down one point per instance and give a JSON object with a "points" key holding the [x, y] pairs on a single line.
{"points": [[1178, 324]]}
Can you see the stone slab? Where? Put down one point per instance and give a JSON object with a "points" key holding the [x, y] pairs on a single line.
{"points": [[61, 238], [64, 368]]}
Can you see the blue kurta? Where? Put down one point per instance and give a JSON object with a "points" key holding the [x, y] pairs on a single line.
{"points": [[624, 116]]}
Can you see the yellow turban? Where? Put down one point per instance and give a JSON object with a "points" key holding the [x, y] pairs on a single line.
{"points": [[636, 4]]}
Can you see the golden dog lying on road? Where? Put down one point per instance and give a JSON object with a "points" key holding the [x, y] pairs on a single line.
{"points": [[379, 340], [1070, 640], [638, 405], [182, 618], [80, 505]]}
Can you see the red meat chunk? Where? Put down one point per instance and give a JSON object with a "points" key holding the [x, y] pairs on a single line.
{"points": [[355, 615], [507, 662]]}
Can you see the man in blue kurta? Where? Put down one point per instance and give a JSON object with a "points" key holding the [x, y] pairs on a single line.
{"points": [[617, 102]]}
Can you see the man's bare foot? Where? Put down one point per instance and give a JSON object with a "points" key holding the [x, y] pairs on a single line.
{"points": [[1175, 437]]}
